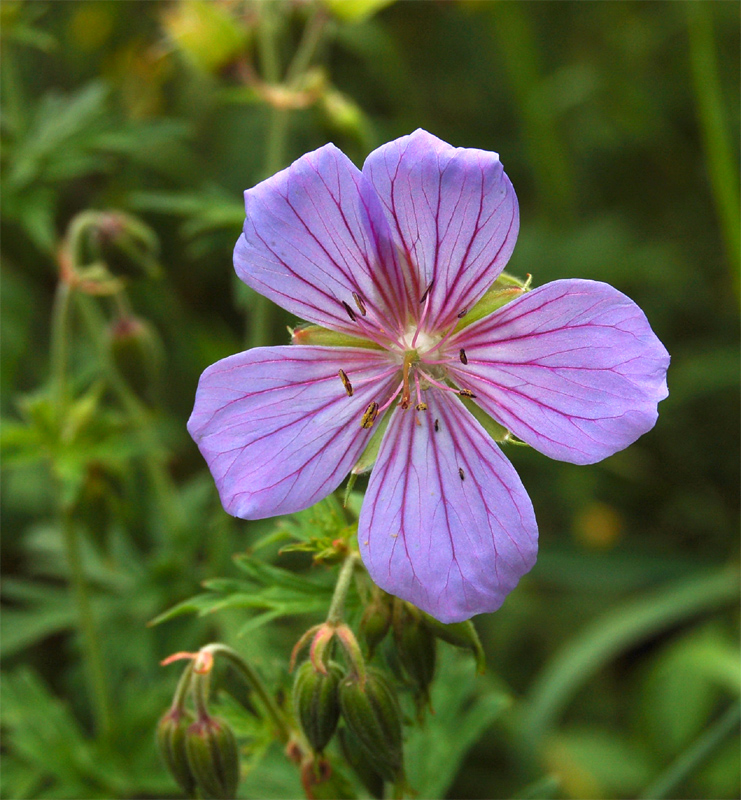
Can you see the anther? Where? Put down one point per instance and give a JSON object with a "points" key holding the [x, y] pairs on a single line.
{"points": [[426, 292], [437, 425], [462, 473], [421, 406], [463, 356], [463, 313], [359, 303], [346, 382], [370, 415], [404, 403], [466, 393], [350, 312]]}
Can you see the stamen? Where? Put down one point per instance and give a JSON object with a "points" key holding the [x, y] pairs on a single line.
{"points": [[421, 406], [346, 382], [391, 399], [439, 385], [359, 303], [350, 312], [437, 425], [463, 357], [426, 292], [466, 393], [462, 473], [426, 297], [370, 415]]}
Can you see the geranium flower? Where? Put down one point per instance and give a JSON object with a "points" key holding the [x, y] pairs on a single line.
{"points": [[394, 267]]}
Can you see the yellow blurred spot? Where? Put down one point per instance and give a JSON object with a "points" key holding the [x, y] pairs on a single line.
{"points": [[90, 26], [576, 781], [598, 526], [205, 32]]}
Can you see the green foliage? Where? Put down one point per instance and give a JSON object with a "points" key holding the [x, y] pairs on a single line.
{"points": [[613, 668]]}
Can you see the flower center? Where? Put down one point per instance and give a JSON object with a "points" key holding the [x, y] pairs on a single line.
{"points": [[415, 339]]}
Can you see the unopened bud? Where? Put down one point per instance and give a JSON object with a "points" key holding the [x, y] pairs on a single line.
{"points": [[460, 634], [373, 715], [213, 758], [316, 702], [127, 246], [416, 646], [355, 755], [138, 354], [375, 623], [171, 732]]}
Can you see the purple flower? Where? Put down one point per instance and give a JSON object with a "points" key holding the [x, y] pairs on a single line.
{"points": [[396, 264]]}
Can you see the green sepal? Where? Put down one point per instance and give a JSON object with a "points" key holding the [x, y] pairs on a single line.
{"points": [[504, 289], [370, 454], [317, 335]]}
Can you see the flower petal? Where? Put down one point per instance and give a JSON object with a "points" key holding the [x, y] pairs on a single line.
{"points": [[572, 368], [314, 234], [453, 213], [446, 523], [277, 428]]}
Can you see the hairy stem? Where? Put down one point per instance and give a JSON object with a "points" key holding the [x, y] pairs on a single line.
{"points": [[337, 606]]}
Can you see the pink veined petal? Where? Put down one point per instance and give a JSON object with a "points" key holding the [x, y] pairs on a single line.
{"points": [[314, 234], [277, 428], [572, 368], [446, 523], [453, 214]]}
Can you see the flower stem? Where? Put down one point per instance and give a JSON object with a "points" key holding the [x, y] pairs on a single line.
{"points": [[59, 340], [261, 309], [85, 621], [337, 606], [88, 631], [158, 475], [255, 682]]}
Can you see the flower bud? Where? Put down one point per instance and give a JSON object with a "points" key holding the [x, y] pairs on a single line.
{"points": [[460, 634], [373, 715], [375, 623], [316, 702], [355, 755], [416, 646], [171, 732], [213, 758], [122, 242], [138, 354]]}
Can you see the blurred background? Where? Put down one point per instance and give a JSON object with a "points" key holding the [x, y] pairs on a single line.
{"points": [[129, 132]]}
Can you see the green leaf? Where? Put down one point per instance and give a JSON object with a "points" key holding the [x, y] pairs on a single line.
{"points": [[615, 631]]}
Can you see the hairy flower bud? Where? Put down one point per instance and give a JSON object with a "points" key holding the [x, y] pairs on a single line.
{"points": [[213, 758], [316, 702], [171, 732], [373, 715]]}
